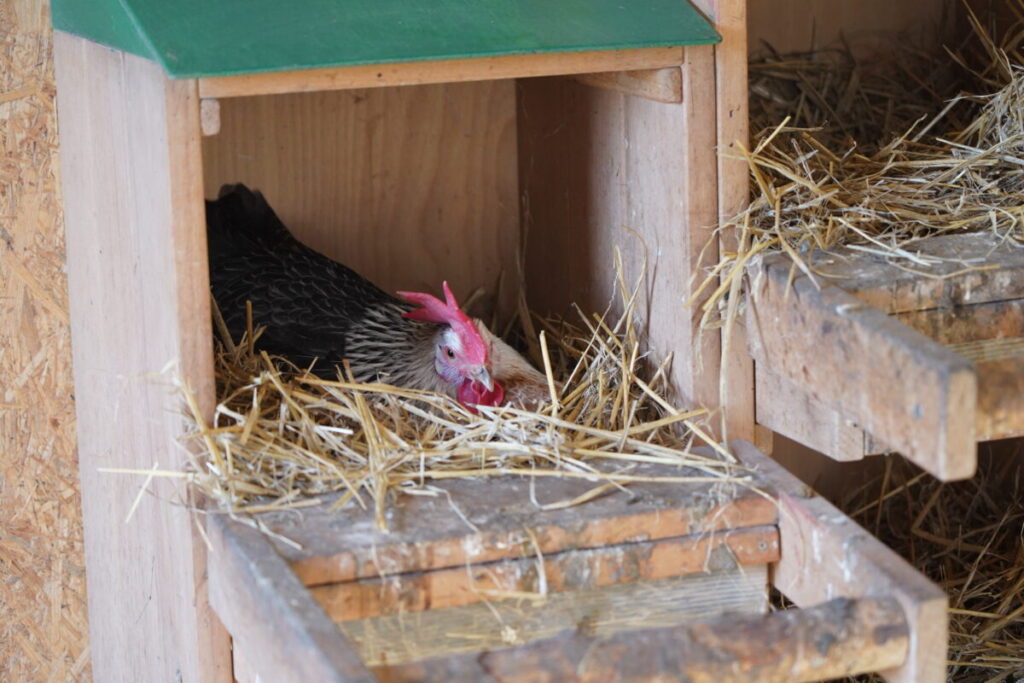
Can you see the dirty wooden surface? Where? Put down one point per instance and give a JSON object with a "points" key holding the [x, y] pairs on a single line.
{"points": [[431, 532], [902, 387], [570, 570], [826, 555], [839, 638]]}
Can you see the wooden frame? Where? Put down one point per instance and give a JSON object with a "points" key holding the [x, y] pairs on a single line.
{"points": [[879, 357]]}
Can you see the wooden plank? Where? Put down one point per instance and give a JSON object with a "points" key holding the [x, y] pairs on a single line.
{"points": [[1000, 412], [571, 570], [382, 174], [139, 301], [600, 171], [867, 25], [839, 638], [446, 71], [958, 324], [975, 268], [660, 85], [428, 532], [736, 382], [784, 407], [282, 632], [596, 611], [903, 388], [826, 555]]}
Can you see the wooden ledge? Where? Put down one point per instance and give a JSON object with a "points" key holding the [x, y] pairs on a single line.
{"points": [[448, 71]]}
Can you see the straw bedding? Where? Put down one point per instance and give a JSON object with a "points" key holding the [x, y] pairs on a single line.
{"points": [[282, 437]]}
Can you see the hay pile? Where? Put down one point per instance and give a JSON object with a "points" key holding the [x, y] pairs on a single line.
{"points": [[873, 156], [969, 538], [282, 437]]}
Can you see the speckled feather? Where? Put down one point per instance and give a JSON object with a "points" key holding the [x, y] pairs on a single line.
{"points": [[311, 306]]}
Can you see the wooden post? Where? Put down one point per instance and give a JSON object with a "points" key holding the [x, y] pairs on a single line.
{"points": [[139, 300]]}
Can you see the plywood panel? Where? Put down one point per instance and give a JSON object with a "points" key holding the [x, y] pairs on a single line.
{"points": [[799, 25], [408, 186], [601, 170], [136, 256]]}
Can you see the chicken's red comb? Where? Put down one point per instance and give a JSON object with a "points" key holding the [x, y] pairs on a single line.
{"points": [[448, 312]]}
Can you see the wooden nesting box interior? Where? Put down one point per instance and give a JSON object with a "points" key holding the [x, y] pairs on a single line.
{"points": [[500, 146]]}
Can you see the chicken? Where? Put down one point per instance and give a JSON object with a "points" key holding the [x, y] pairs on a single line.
{"points": [[315, 309]]}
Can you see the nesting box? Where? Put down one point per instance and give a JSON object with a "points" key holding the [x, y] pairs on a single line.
{"points": [[417, 142]]}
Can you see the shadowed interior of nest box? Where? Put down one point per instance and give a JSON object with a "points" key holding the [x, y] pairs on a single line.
{"points": [[418, 184]]}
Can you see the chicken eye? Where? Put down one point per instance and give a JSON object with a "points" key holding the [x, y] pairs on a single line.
{"points": [[449, 352]]}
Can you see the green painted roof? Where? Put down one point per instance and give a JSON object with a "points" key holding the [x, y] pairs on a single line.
{"points": [[196, 38]]}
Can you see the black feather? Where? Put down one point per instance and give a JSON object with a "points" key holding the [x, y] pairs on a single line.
{"points": [[311, 306]]}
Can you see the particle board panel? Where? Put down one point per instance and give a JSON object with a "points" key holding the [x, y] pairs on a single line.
{"points": [[139, 302], [408, 186], [601, 171]]}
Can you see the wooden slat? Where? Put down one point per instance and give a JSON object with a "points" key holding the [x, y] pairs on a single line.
{"points": [[905, 389], [139, 303], [426, 532], [571, 570], [972, 268], [1000, 413], [959, 324], [736, 382], [447, 71], [374, 178], [596, 611], [826, 555], [273, 620], [839, 638], [660, 85]]}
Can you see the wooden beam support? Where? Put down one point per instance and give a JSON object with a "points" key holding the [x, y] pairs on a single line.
{"points": [[839, 638], [826, 555], [447, 71], [907, 390], [282, 632], [660, 85]]}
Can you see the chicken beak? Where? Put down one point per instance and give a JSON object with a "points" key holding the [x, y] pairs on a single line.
{"points": [[481, 375]]}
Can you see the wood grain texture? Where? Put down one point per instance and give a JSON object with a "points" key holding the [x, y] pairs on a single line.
{"points": [[408, 186], [660, 85], [139, 303], [447, 71], [826, 555], [570, 570], [426, 532], [975, 268], [499, 624], [839, 638], [869, 25], [785, 407], [736, 381], [279, 631], [903, 388], [600, 170]]}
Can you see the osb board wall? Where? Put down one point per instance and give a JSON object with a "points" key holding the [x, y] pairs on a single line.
{"points": [[42, 577]]}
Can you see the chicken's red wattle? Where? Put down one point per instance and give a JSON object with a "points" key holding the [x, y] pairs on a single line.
{"points": [[473, 392]]}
